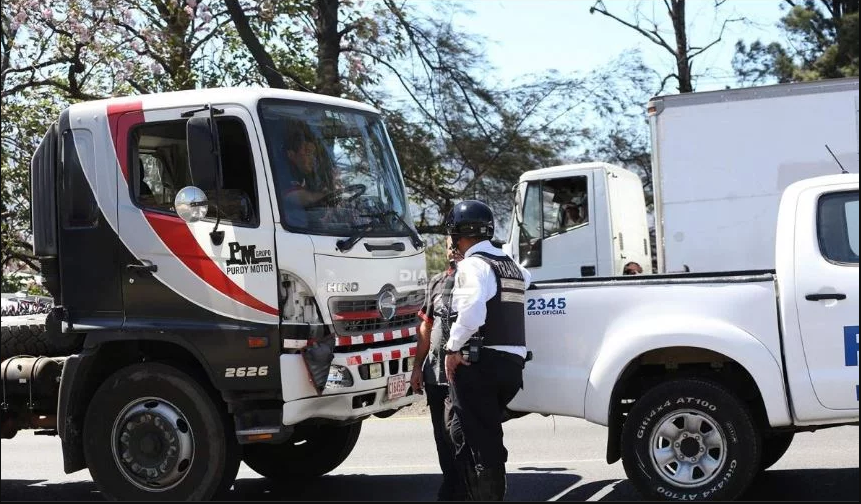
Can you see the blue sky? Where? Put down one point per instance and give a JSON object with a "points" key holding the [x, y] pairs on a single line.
{"points": [[532, 36]]}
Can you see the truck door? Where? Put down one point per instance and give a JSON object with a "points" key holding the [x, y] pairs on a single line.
{"points": [[557, 235], [826, 272], [174, 271]]}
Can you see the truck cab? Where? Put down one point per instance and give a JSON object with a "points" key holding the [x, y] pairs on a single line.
{"points": [[579, 220], [246, 258]]}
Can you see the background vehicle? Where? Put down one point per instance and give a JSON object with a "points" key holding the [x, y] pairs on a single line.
{"points": [[205, 327], [720, 161]]}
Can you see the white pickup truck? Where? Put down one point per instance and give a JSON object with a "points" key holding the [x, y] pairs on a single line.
{"points": [[703, 379]]}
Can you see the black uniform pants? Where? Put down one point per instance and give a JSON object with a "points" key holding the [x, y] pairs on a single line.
{"points": [[453, 487], [478, 398]]}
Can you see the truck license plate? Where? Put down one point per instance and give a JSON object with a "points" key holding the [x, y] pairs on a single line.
{"points": [[397, 386]]}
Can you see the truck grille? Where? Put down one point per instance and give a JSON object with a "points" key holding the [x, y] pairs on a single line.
{"points": [[358, 315]]}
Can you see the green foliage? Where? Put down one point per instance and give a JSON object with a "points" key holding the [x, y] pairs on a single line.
{"points": [[457, 132], [821, 43]]}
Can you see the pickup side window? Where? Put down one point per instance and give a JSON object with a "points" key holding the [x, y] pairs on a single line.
{"points": [[837, 227], [159, 161], [565, 202]]}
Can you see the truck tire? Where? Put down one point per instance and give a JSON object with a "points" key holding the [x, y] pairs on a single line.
{"points": [[311, 451], [154, 432], [36, 335], [690, 439], [774, 447]]}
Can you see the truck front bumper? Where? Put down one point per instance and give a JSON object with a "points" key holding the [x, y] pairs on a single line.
{"points": [[365, 396]]}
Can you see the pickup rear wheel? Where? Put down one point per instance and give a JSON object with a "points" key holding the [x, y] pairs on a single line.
{"points": [[154, 432], [312, 450], [690, 439]]}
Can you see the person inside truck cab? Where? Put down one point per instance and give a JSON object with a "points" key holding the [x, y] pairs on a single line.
{"points": [[306, 185], [306, 182]]}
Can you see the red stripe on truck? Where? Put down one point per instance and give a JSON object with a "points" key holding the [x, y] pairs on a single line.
{"points": [[121, 118]]}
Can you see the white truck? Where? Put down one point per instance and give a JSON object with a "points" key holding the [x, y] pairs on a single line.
{"points": [[703, 379], [720, 161], [202, 318]]}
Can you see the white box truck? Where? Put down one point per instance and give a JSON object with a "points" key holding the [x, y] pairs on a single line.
{"points": [[721, 160]]}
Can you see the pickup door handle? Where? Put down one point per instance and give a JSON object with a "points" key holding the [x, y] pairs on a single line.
{"points": [[145, 267], [820, 297]]}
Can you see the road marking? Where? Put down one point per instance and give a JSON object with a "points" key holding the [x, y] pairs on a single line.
{"points": [[565, 492], [600, 494]]}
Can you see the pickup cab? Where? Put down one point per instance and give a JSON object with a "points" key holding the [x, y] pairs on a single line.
{"points": [[703, 379]]}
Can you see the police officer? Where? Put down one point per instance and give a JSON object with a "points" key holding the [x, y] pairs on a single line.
{"points": [[430, 377], [488, 314]]}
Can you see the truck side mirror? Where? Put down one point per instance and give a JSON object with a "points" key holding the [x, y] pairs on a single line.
{"points": [[202, 152], [533, 256]]}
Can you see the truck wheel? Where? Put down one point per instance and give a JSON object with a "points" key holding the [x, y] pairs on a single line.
{"points": [[36, 335], [311, 451], [690, 439], [774, 447], [154, 432]]}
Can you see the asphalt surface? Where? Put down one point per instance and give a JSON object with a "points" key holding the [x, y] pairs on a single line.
{"points": [[550, 458]]}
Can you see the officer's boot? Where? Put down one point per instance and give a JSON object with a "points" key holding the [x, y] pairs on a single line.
{"points": [[486, 483]]}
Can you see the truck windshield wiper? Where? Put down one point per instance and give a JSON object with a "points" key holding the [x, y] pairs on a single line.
{"points": [[346, 244], [416, 240]]}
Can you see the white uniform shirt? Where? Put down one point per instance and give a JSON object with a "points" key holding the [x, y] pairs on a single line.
{"points": [[474, 286]]}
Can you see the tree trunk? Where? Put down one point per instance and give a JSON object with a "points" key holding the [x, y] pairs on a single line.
{"points": [[682, 63], [328, 48]]}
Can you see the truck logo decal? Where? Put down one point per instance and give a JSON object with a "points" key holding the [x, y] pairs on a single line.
{"points": [[850, 348], [247, 259], [175, 234], [342, 287]]}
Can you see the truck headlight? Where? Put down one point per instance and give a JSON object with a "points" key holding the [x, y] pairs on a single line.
{"points": [[339, 377]]}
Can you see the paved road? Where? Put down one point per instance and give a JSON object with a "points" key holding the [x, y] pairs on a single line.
{"points": [[549, 459]]}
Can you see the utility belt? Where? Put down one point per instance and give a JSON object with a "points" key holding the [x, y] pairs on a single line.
{"points": [[475, 347]]}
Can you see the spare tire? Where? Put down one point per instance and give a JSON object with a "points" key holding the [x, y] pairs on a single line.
{"points": [[36, 335]]}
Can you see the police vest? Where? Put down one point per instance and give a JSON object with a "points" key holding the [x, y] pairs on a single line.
{"points": [[505, 323]]}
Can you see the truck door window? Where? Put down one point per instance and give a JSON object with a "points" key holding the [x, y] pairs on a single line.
{"points": [[159, 161], [837, 227], [565, 203], [531, 228]]}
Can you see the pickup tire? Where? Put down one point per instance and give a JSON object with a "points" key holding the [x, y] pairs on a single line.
{"points": [[312, 451], [154, 432], [36, 335], [690, 439], [774, 447]]}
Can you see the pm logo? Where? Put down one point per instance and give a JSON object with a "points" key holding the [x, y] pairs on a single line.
{"points": [[247, 259]]}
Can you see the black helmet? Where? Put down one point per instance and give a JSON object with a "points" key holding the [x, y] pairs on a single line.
{"points": [[471, 219]]}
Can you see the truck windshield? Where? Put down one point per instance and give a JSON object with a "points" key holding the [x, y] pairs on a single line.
{"points": [[334, 170]]}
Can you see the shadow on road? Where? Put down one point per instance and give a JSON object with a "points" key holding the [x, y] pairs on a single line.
{"points": [[358, 487], [777, 485], [800, 485]]}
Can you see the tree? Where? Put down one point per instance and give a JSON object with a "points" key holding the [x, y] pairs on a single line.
{"points": [[821, 43], [682, 51]]}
